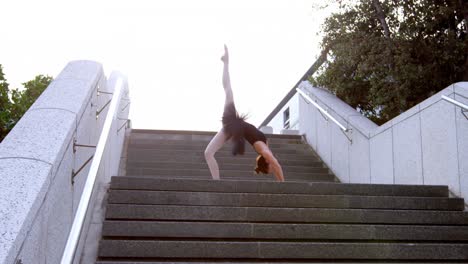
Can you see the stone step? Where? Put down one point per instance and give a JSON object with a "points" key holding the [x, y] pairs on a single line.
{"points": [[224, 173], [203, 139], [261, 231], [154, 154], [288, 144], [316, 188], [246, 178], [281, 250], [222, 166], [240, 161], [282, 200], [222, 152], [194, 135], [217, 261], [284, 215], [202, 146]]}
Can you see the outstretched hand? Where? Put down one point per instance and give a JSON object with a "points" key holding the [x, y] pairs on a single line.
{"points": [[225, 57]]}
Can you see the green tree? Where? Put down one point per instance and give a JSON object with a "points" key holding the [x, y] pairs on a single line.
{"points": [[387, 56], [5, 105], [14, 103]]}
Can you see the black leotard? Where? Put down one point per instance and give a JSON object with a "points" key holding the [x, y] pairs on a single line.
{"points": [[235, 125], [239, 131], [252, 134]]}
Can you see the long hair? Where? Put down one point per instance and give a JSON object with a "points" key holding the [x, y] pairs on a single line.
{"points": [[261, 165]]}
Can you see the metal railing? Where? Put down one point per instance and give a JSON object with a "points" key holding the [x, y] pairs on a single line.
{"points": [[78, 221], [448, 99], [343, 128]]}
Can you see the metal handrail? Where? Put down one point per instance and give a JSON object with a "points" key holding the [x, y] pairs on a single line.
{"points": [[321, 109], [78, 221], [448, 99]]}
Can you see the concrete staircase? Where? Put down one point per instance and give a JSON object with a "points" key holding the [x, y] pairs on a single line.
{"points": [[167, 210]]}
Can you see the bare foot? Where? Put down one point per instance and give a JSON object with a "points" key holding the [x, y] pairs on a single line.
{"points": [[225, 57]]}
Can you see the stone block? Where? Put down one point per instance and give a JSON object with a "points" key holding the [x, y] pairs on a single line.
{"points": [[381, 157], [323, 130], [340, 154], [58, 209], [81, 70], [461, 88], [67, 94], [266, 129], [437, 97], [462, 143], [405, 115], [289, 132], [359, 160], [439, 139], [23, 186], [308, 121], [34, 247], [361, 124], [41, 135], [407, 156]]}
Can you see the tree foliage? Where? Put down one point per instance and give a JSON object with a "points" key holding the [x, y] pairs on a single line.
{"points": [[14, 103], [387, 56]]}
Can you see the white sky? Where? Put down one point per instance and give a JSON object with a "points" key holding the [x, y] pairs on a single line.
{"points": [[170, 50]]}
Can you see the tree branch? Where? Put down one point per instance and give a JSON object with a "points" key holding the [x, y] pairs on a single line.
{"points": [[381, 17]]}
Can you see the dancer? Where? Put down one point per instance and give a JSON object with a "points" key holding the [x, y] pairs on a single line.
{"points": [[236, 129]]}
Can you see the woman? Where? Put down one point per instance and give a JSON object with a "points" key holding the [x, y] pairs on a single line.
{"points": [[235, 128]]}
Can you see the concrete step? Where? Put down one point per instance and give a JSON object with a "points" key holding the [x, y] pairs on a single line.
{"points": [[288, 144], [150, 144], [249, 151], [268, 262], [133, 165], [153, 154], [261, 231], [315, 188], [253, 178], [193, 135], [224, 173], [283, 200], [281, 250], [284, 215], [203, 139], [237, 160]]}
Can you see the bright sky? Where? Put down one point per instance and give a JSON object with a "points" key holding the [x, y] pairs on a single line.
{"points": [[170, 50]]}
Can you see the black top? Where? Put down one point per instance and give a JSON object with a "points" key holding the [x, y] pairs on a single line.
{"points": [[252, 134], [236, 127]]}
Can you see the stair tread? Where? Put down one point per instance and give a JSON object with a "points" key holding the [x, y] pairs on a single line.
{"points": [[167, 209]]}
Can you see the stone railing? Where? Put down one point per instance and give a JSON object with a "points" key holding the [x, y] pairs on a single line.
{"points": [[44, 161], [428, 144]]}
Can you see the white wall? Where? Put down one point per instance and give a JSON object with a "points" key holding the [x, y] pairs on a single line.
{"points": [[428, 144], [277, 122], [37, 196]]}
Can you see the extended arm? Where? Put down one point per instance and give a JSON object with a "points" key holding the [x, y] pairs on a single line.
{"points": [[273, 163], [275, 167]]}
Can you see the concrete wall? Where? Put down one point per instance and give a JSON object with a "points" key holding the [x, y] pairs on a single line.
{"points": [[428, 144], [38, 198], [277, 122]]}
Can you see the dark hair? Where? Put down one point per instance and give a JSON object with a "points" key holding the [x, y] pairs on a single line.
{"points": [[262, 165]]}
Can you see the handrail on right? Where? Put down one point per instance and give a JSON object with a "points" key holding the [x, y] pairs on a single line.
{"points": [[448, 99], [321, 109]]}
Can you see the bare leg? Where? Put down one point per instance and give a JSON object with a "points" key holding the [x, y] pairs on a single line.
{"points": [[215, 144], [221, 137], [227, 79]]}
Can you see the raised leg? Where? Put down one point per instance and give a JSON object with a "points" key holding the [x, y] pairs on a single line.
{"points": [[227, 79]]}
